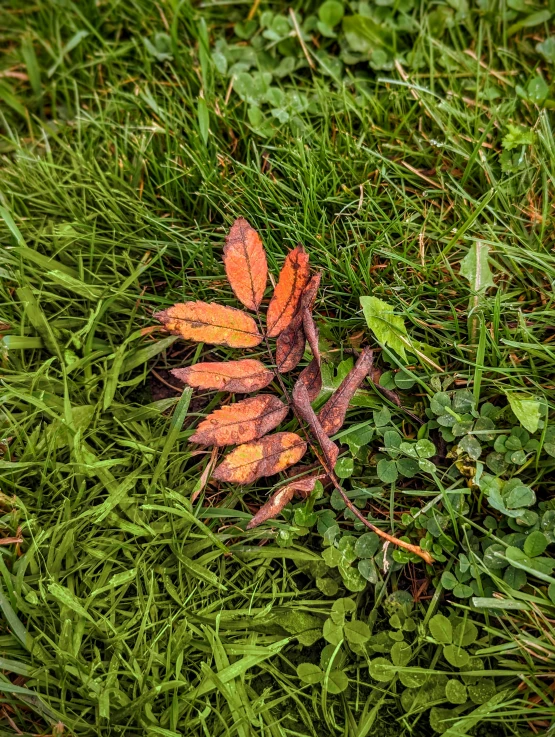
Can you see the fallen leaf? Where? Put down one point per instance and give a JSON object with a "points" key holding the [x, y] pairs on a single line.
{"points": [[281, 498], [290, 346], [332, 414], [211, 323], [263, 457], [241, 422], [293, 279], [311, 377], [311, 333], [245, 264], [244, 376], [291, 342], [388, 327], [301, 402]]}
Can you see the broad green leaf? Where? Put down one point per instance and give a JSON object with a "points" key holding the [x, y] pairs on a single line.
{"points": [[333, 633], [344, 468], [412, 678], [455, 655], [535, 544], [520, 496], [383, 416], [448, 580], [382, 669], [425, 448], [388, 327], [475, 268], [331, 12], [456, 692], [465, 633], [310, 673], [368, 570], [340, 608], [356, 632], [401, 653], [482, 691], [352, 579], [440, 628], [336, 682], [515, 577], [527, 409], [547, 49], [441, 719], [365, 35], [367, 545], [462, 591], [387, 471]]}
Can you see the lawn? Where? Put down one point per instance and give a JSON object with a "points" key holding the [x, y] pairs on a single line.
{"points": [[408, 145]]}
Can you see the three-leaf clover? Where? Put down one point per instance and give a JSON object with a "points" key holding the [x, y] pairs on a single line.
{"points": [[511, 448], [406, 459]]}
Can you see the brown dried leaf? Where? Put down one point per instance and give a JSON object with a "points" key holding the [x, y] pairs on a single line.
{"points": [[311, 332], [311, 377], [209, 322], [332, 414], [281, 499], [290, 345], [301, 402], [275, 504], [263, 457], [293, 279], [241, 422], [243, 377], [245, 263]]}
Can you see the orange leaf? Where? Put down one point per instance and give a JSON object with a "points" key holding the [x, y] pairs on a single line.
{"points": [[332, 414], [245, 264], [293, 279], [242, 422], [264, 457], [243, 377], [209, 322], [290, 344], [281, 499]]}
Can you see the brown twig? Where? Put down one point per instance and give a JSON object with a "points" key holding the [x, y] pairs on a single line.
{"points": [[303, 408]]}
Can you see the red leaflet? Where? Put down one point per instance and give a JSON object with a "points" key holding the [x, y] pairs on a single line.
{"points": [[241, 422], [293, 279], [243, 377], [245, 263], [263, 457]]}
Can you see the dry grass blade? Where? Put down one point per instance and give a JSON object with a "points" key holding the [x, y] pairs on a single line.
{"points": [[245, 263], [332, 414], [263, 457], [241, 422], [209, 322], [243, 376]]}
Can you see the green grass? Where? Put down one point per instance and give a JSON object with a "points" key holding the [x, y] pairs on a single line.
{"points": [[128, 609]]}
